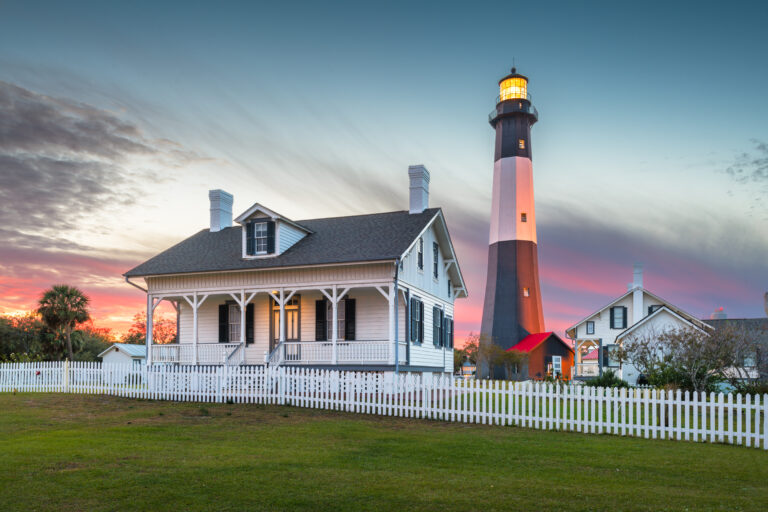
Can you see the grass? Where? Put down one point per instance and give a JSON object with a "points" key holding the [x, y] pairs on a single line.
{"points": [[78, 452]]}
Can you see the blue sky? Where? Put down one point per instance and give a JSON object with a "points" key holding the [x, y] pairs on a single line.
{"points": [[650, 145]]}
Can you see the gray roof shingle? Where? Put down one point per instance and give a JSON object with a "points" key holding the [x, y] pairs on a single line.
{"points": [[358, 238]]}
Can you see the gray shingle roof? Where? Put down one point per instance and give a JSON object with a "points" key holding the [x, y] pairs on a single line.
{"points": [[758, 326], [358, 238]]}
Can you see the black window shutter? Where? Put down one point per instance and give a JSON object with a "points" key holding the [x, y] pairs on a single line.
{"points": [[321, 333], [271, 237], [445, 335], [414, 316], [451, 335], [223, 323], [407, 317], [249, 323], [436, 326], [421, 322], [349, 319], [613, 319], [250, 239], [624, 325]]}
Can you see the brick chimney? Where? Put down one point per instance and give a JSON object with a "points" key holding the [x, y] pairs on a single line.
{"points": [[419, 199], [221, 209]]}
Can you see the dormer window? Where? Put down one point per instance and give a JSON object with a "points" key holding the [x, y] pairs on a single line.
{"points": [[260, 237]]}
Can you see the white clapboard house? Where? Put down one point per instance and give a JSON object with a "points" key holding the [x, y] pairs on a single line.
{"points": [[365, 292], [636, 313]]}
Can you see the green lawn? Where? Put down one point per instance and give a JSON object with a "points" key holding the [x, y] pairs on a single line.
{"points": [[72, 452]]}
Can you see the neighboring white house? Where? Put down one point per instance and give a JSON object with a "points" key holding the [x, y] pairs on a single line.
{"points": [[635, 313], [364, 292], [124, 353]]}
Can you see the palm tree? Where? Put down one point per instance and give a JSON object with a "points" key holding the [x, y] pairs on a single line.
{"points": [[64, 307]]}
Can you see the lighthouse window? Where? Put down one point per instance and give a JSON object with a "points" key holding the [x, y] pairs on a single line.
{"points": [[521, 143], [523, 217], [526, 292]]}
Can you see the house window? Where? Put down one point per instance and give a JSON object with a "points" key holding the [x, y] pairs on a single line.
{"points": [[521, 143], [618, 317], [590, 327], [557, 365], [234, 323], [526, 291], [435, 258], [259, 237], [448, 332], [417, 321], [523, 217], [438, 332], [449, 288], [420, 255], [653, 308]]}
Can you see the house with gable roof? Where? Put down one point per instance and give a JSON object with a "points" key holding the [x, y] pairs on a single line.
{"points": [[365, 292], [635, 313]]}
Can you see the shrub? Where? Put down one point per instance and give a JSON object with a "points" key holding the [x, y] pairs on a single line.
{"points": [[607, 380]]}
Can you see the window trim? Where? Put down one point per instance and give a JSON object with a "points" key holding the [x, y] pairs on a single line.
{"points": [[590, 323]]}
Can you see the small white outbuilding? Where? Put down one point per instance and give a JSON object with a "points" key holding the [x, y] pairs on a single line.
{"points": [[125, 354]]}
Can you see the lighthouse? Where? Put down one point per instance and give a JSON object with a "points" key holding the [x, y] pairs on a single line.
{"points": [[512, 308]]}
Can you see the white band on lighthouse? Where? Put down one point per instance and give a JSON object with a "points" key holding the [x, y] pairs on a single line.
{"points": [[512, 213]]}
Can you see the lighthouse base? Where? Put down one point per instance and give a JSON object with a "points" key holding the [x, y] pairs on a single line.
{"points": [[512, 308]]}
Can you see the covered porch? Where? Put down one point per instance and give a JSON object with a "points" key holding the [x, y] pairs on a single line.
{"points": [[587, 358], [324, 325]]}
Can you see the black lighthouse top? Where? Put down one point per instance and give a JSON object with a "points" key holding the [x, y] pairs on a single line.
{"points": [[513, 117]]}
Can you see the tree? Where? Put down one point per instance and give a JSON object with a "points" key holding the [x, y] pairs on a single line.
{"points": [[163, 330], [513, 362], [63, 307]]}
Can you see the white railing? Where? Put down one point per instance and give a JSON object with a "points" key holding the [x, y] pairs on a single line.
{"points": [[347, 352], [649, 413], [173, 353], [207, 353]]}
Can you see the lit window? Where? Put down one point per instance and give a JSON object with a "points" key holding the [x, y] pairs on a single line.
{"points": [[557, 365], [513, 88], [523, 217], [521, 143], [526, 291]]}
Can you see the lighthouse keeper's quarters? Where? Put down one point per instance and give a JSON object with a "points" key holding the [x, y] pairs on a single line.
{"points": [[636, 313], [364, 292]]}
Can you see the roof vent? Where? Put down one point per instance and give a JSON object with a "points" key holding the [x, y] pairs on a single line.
{"points": [[419, 199], [221, 209]]}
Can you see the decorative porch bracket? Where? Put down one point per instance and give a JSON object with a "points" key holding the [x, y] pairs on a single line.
{"points": [[195, 303]]}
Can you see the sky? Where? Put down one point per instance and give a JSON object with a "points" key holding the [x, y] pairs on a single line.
{"points": [[116, 119]]}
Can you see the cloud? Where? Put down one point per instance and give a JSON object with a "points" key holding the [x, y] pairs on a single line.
{"points": [[66, 168], [61, 160], [751, 167]]}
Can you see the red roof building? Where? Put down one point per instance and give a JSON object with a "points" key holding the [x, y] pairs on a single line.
{"points": [[548, 355]]}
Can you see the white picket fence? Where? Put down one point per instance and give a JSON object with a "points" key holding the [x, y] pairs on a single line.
{"points": [[649, 413]]}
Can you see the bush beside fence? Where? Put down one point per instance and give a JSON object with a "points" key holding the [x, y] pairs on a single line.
{"points": [[726, 418]]}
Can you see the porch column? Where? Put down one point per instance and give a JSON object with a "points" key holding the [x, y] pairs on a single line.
{"points": [[242, 318], [282, 315], [195, 357], [335, 326], [392, 338], [148, 328]]}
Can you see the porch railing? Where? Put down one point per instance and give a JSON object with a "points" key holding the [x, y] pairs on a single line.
{"points": [[347, 352], [207, 353]]}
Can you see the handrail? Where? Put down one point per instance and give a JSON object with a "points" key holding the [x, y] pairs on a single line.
{"points": [[234, 351], [274, 359]]}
